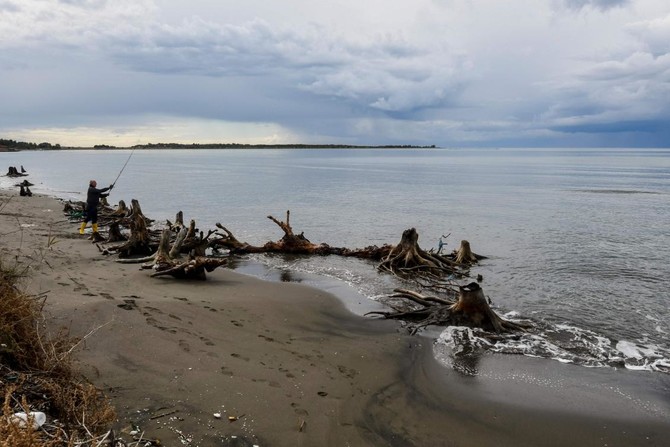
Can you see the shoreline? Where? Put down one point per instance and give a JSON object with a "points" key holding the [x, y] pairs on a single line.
{"points": [[276, 355]]}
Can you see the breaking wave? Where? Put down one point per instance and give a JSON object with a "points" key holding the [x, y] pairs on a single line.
{"points": [[458, 346]]}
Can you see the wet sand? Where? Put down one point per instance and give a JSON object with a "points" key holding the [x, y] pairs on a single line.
{"points": [[295, 367]]}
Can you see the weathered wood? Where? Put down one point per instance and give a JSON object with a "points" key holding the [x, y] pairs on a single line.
{"points": [[139, 242], [114, 233], [464, 254], [470, 309], [408, 260], [193, 268]]}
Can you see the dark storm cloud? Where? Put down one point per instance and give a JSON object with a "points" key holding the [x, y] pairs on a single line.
{"points": [[385, 74]]}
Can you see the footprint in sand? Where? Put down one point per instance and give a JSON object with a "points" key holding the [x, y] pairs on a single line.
{"points": [[128, 305], [184, 345], [347, 372], [155, 323], [154, 309], [270, 339], [106, 295], [207, 341], [238, 356]]}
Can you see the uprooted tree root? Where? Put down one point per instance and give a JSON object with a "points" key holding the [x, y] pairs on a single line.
{"points": [[408, 260], [470, 308], [36, 374]]}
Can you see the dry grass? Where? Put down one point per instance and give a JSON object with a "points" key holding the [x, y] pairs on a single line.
{"points": [[36, 374]]}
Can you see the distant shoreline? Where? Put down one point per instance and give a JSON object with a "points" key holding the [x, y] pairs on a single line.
{"points": [[15, 146]]}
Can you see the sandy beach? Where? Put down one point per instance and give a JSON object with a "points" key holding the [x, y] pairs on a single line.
{"points": [[291, 366]]}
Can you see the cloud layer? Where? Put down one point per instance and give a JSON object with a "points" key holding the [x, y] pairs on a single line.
{"points": [[450, 72]]}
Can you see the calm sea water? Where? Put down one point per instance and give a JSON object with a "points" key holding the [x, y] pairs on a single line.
{"points": [[578, 240]]}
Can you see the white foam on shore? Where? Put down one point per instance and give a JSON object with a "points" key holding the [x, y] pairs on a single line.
{"points": [[563, 343]]}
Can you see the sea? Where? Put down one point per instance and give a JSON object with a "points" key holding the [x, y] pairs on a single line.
{"points": [[577, 240]]}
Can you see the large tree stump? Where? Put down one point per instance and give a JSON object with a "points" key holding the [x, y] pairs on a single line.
{"points": [[471, 309], [13, 172], [114, 233], [139, 242], [464, 254], [407, 260]]}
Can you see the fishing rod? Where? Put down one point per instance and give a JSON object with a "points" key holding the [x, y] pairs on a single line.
{"points": [[124, 167]]}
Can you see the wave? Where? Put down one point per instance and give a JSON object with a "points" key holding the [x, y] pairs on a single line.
{"points": [[458, 347]]}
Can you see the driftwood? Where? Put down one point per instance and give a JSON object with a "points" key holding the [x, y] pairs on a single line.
{"points": [[292, 243], [25, 191], [408, 260], [114, 233], [470, 308], [194, 268], [13, 172], [166, 260], [464, 254], [139, 242]]}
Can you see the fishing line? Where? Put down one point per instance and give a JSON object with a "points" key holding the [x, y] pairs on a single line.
{"points": [[124, 167]]}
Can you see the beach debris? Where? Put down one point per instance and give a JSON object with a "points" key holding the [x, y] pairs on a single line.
{"points": [[470, 308], [464, 254], [36, 418], [139, 242], [13, 172], [162, 415], [235, 418], [408, 260], [292, 243], [217, 415], [301, 425], [25, 191]]}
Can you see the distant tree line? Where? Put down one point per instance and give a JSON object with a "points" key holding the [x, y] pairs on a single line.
{"points": [[22, 145], [271, 146]]}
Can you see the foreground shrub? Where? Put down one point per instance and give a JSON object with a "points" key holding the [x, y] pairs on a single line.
{"points": [[36, 374]]}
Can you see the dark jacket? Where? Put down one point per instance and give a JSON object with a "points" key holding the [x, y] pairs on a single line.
{"points": [[93, 196]]}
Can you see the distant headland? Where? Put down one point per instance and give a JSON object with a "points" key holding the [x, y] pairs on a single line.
{"points": [[13, 145]]}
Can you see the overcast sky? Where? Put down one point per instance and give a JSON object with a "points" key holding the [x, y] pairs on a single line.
{"points": [[455, 73]]}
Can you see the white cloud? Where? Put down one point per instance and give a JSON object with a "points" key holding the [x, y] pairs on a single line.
{"points": [[655, 33]]}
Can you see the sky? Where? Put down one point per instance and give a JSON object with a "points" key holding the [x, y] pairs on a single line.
{"points": [[453, 73]]}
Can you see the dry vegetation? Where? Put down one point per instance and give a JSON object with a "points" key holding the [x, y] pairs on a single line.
{"points": [[36, 374]]}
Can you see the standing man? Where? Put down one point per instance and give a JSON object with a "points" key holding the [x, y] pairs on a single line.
{"points": [[92, 201]]}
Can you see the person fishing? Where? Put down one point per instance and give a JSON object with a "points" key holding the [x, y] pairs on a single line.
{"points": [[92, 200]]}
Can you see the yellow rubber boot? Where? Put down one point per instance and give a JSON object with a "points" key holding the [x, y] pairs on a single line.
{"points": [[95, 227], [82, 228]]}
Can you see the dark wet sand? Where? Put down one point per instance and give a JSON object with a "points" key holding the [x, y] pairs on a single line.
{"points": [[296, 368]]}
